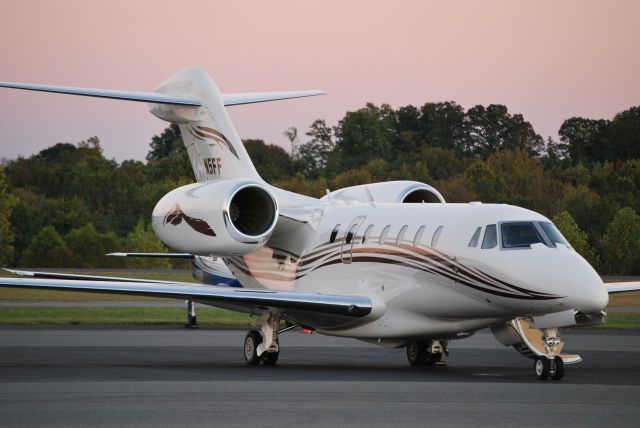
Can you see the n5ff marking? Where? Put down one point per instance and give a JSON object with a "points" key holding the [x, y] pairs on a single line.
{"points": [[212, 165]]}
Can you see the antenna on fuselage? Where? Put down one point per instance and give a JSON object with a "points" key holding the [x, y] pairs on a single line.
{"points": [[329, 197], [370, 196]]}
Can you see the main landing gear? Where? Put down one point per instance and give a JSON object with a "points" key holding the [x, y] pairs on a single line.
{"points": [[261, 343], [550, 364], [426, 352]]}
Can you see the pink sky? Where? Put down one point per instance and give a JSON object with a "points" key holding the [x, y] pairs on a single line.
{"points": [[548, 60]]}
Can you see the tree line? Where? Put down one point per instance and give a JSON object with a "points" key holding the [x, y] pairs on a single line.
{"points": [[68, 205]]}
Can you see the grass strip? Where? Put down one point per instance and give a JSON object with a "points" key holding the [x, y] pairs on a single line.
{"points": [[176, 316], [621, 321], [119, 316]]}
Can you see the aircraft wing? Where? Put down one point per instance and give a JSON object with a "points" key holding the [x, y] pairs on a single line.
{"points": [[621, 287], [314, 310]]}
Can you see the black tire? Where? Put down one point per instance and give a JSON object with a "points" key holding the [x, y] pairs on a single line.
{"points": [[417, 353], [558, 372], [432, 359], [251, 342], [270, 358], [542, 367]]}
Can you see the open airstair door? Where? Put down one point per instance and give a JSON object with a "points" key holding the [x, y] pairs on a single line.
{"points": [[529, 340]]}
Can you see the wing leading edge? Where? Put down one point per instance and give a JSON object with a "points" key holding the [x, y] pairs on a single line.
{"points": [[318, 310], [621, 287]]}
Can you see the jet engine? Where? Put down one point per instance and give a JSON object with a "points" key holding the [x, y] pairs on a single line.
{"points": [[222, 218], [405, 192]]}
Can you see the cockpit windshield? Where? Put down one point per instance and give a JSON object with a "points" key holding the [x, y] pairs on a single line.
{"points": [[553, 234], [519, 235]]}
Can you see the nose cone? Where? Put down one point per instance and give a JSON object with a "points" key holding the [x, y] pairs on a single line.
{"points": [[587, 293], [591, 296]]}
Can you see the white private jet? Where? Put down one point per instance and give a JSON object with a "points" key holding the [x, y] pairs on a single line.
{"points": [[388, 263]]}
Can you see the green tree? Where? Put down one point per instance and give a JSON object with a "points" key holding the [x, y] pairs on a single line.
{"points": [[443, 125], [584, 139], [590, 211], [492, 129], [576, 237], [163, 145], [292, 135], [352, 177], [144, 240], [312, 156], [47, 249], [523, 181], [621, 244], [7, 202], [624, 133], [484, 182], [443, 163], [364, 135], [89, 247], [271, 161]]}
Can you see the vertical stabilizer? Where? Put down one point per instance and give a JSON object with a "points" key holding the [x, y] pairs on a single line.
{"points": [[215, 150]]}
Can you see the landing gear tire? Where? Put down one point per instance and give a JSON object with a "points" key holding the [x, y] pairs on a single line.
{"points": [[432, 359], [417, 353], [251, 342], [542, 367], [270, 358], [558, 371]]}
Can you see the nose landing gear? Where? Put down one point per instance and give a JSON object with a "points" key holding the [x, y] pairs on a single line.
{"points": [[551, 363], [543, 345]]}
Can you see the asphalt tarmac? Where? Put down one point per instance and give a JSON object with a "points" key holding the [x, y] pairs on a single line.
{"points": [[165, 376]]}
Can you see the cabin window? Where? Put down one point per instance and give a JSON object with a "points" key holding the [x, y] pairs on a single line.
{"points": [[401, 234], [383, 235], [418, 237], [519, 235], [475, 238], [366, 234], [351, 232], [334, 233], [436, 236], [490, 239]]}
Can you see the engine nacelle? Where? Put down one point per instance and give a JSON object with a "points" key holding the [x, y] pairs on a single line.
{"points": [[223, 218], [389, 191]]}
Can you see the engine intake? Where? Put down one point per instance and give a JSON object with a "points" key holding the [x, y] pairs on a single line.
{"points": [[251, 212], [422, 195]]}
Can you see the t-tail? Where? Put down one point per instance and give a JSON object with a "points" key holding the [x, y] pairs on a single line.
{"points": [[214, 147], [191, 99]]}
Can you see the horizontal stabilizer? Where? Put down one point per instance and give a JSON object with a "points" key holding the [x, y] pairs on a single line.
{"points": [[158, 98], [148, 97], [260, 97], [156, 255]]}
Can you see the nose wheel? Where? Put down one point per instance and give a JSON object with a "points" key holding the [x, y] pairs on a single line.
{"points": [[544, 367]]}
